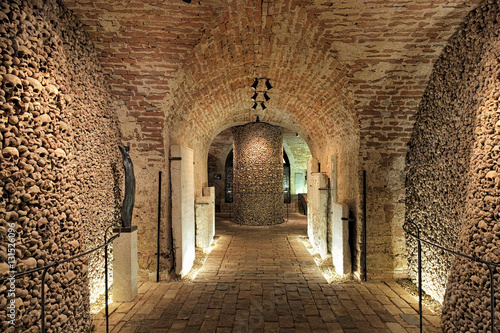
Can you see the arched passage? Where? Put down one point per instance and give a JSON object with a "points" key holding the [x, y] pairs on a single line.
{"points": [[296, 153]]}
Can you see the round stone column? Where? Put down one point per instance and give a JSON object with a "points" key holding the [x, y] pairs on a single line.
{"points": [[258, 174]]}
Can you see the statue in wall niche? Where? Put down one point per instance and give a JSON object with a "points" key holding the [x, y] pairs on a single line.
{"points": [[129, 199]]}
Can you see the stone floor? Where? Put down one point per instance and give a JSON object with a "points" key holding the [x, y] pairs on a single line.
{"points": [[263, 279]]}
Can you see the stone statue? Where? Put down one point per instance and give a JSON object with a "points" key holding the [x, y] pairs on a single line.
{"points": [[129, 199]]}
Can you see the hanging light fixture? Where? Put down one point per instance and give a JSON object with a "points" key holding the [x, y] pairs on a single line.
{"points": [[255, 84], [255, 97], [268, 85]]}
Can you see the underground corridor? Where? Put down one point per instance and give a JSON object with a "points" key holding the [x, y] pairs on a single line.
{"points": [[249, 166]]}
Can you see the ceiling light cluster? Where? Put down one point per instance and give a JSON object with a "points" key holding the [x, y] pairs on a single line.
{"points": [[260, 96]]}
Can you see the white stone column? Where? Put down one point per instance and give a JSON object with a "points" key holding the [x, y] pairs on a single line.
{"points": [[317, 208], [125, 265], [312, 167], [339, 247], [183, 225], [205, 218]]}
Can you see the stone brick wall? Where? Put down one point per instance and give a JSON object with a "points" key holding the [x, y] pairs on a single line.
{"points": [[258, 174], [452, 171], [60, 167]]}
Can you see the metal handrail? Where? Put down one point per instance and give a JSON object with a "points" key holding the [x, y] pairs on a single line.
{"points": [[473, 258], [57, 263]]}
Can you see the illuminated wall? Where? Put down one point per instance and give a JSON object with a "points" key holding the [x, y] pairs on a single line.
{"points": [[453, 168], [258, 174], [60, 166]]}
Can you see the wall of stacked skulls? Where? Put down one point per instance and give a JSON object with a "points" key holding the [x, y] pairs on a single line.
{"points": [[60, 168], [453, 172], [258, 174]]}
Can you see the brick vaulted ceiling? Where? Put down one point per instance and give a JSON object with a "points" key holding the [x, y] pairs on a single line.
{"points": [[339, 68]]}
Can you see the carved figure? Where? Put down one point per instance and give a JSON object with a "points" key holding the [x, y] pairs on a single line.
{"points": [[129, 199]]}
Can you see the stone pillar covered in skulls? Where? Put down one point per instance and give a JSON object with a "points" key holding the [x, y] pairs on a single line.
{"points": [[258, 174]]}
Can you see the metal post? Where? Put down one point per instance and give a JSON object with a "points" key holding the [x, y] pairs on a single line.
{"points": [[106, 282], [492, 299], [419, 279], [43, 298], [159, 226], [287, 211], [364, 225], [106, 293], [43, 294]]}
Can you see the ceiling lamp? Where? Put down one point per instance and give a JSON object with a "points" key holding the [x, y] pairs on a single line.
{"points": [[268, 85], [255, 96], [255, 84]]}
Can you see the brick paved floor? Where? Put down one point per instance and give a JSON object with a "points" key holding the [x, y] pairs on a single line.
{"points": [[263, 279]]}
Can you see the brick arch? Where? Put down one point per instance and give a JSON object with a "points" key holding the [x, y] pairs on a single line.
{"points": [[288, 46], [319, 128]]}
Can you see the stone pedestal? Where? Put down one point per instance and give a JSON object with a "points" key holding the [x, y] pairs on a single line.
{"points": [[205, 218], [125, 265]]}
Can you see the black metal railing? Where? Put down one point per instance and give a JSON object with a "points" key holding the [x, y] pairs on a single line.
{"points": [[45, 269], [413, 230]]}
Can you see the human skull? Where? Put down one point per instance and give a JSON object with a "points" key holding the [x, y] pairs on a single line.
{"points": [[37, 4], [10, 154], [13, 86], [59, 154], [35, 85], [4, 18], [52, 90], [34, 191], [23, 52], [497, 127], [44, 123], [64, 128], [41, 156], [42, 226], [491, 175]]}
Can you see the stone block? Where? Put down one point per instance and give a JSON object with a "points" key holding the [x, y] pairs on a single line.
{"points": [[317, 211], [339, 235], [205, 218]]}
